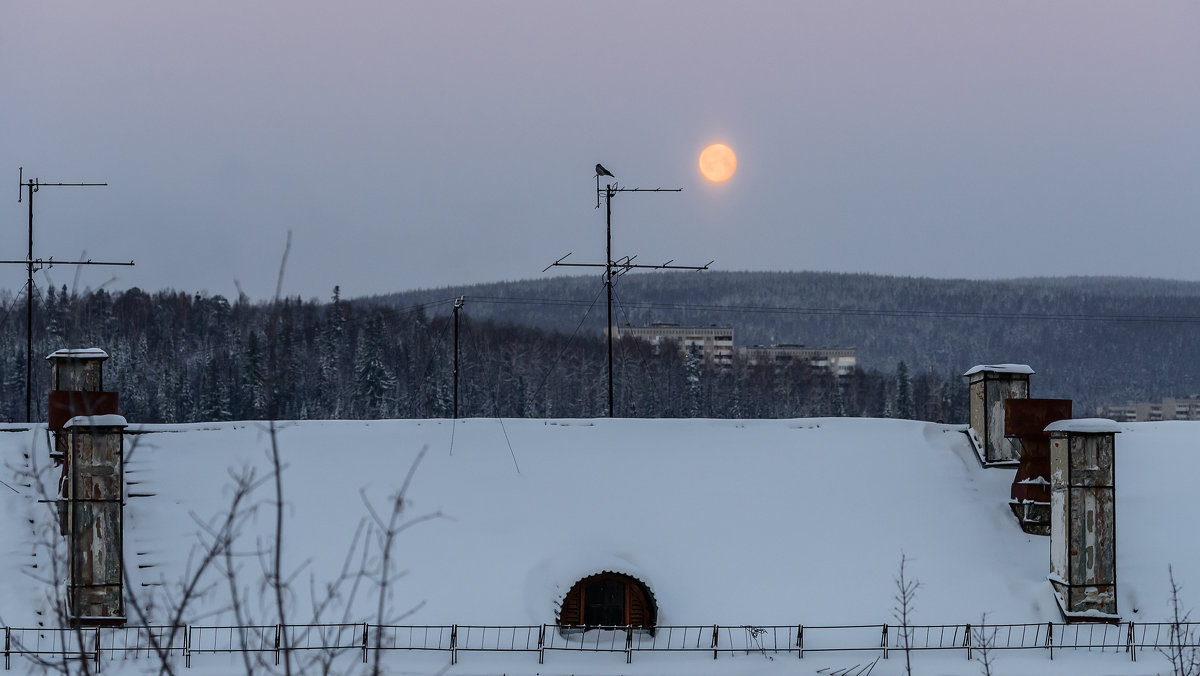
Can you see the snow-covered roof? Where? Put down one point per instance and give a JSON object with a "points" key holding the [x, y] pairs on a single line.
{"points": [[1000, 368], [1085, 425], [78, 353], [724, 521], [109, 420]]}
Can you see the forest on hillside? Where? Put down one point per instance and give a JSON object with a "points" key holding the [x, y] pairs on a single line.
{"points": [[1095, 340], [536, 348], [180, 357]]}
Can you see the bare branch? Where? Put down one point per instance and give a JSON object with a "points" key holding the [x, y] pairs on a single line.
{"points": [[906, 594]]}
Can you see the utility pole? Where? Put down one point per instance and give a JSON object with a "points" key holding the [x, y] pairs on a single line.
{"points": [[458, 303], [620, 266], [32, 265]]}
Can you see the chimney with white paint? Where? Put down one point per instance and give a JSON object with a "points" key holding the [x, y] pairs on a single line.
{"points": [[1083, 566], [991, 385]]}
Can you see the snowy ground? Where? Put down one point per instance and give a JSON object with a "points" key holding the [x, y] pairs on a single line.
{"points": [[1009, 664], [728, 522]]}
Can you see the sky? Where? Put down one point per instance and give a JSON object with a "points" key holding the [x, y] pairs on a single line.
{"points": [[417, 144]]}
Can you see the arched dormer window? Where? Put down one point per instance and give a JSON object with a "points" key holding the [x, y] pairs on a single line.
{"points": [[608, 600]]}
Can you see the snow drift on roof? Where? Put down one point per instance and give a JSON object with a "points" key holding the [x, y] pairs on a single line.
{"points": [[1000, 368], [1085, 425], [78, 353], [108, 420]]}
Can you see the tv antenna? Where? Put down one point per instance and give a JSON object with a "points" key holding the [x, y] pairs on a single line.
{"points": [[33, 265], [458, 303], [621, 265]]}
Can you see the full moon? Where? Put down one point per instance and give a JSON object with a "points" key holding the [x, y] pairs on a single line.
{"points": [[718, 162]]}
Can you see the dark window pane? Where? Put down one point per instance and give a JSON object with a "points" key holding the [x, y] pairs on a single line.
{"points": [[604, 603]]}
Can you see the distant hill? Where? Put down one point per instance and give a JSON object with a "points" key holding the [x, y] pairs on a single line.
{"points": [[1092, 339]]}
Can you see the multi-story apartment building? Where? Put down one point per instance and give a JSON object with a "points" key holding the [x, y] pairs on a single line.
{"points": [[1170, 408], [712, 344], [838, 360]]}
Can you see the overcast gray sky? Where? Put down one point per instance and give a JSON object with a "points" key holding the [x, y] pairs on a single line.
{"points": [[418, 144]]}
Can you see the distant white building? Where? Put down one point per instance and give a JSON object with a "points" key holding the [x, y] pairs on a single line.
{"points": [[712, 344], [1170, 408], [840, 361]]}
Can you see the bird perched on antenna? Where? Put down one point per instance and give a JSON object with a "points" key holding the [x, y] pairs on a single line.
{"points": [[601, 171]]}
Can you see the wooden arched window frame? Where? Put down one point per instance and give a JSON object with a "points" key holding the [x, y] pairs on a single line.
{"points": [[608, 599]]}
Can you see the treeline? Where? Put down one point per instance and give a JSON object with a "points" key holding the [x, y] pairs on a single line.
{"points": [[179, 357]]}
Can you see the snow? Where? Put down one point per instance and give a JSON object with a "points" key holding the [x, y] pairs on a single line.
{"points": [[1000, 368], [726, 522], [1035, 481], [1085, 426], [107, 420], [719, 518], [78, 353]]}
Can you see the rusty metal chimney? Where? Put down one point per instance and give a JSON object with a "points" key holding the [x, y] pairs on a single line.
{"points": [[76, 388], [1026, 421], [1083, 566], [991, 386]]}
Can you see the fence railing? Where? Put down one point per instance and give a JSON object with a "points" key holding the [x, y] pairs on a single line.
{"points": [[165, 642]]}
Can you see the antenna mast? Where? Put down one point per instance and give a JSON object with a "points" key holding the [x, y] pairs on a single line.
{"points": [[621, 266], [458, 303], [32, 265]]}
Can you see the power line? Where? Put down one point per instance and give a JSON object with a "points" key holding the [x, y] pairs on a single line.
{"points": [[410, 308], [561, 353], [820, 311], [8, 310], [621, 307]]}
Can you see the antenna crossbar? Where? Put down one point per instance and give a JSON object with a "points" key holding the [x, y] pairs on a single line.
{"points": [[616, 189], [631, 266], [50, 262]]}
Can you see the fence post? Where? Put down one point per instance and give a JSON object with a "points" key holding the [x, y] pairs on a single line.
{"points": [[277, 645], [967, 638], [1050, 638], [883, 641], [800, 640], [542, 645], [187, 646], [629, 644], [714, 645], [1129, 644], [364, 642], [7, 648], [96, 645], [454, 644]]}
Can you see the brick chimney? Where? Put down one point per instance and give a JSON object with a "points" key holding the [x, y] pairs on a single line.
{"points": [[1083, 566], [991, 385]]}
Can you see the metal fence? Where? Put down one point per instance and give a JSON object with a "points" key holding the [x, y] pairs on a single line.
{"points": [[164, 642]]}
